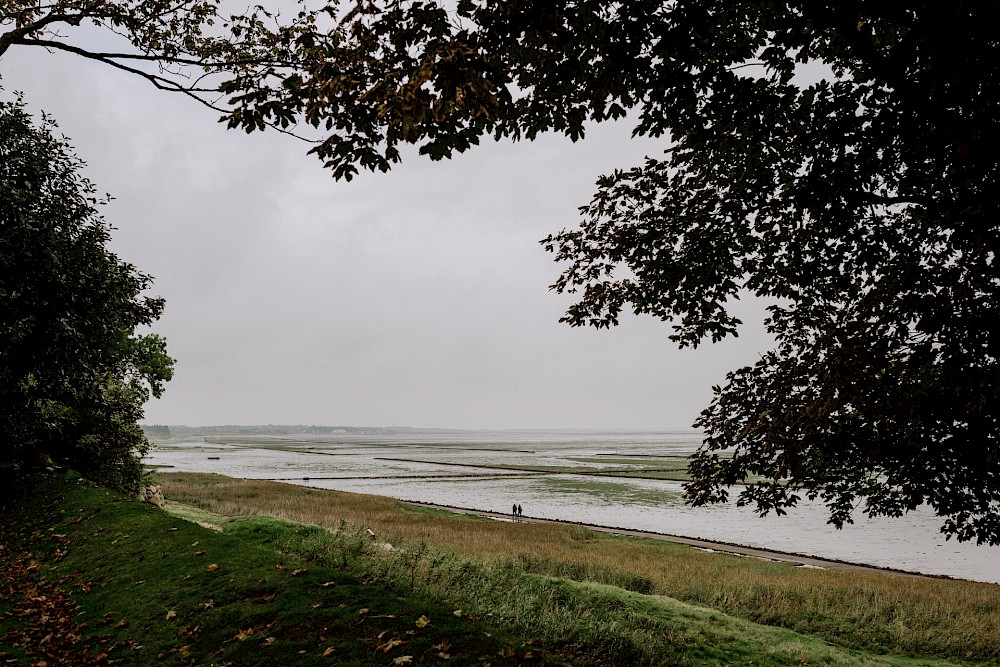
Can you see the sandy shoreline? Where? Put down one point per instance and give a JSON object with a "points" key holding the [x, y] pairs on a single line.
{"points": [[800, 560]]}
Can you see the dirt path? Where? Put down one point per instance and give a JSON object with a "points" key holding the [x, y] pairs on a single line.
{"points": [[708, 545]]}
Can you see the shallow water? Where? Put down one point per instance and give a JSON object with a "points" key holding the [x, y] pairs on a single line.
{"points": [[454, 469]]}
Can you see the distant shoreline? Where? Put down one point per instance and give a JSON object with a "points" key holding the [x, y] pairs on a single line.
{"points": [[279, 430]]}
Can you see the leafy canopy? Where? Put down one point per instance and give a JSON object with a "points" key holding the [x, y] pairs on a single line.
{"points": [[74, 375], [860, 203]]}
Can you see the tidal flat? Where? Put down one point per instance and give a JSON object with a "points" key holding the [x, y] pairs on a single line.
{"points": [[570, 476]]}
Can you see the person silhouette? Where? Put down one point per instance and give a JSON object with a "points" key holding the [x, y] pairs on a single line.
{"points": [[520, 512]]}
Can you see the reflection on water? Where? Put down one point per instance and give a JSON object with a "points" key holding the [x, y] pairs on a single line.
{"points": [[472, 470]]}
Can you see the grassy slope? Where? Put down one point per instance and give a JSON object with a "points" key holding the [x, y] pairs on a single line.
{"points": [[153, 589], [864, 610], [150, 588]]}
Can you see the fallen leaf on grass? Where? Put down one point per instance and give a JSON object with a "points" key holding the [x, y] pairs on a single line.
{"points": [[199, 553], [328, 584], [243, 635], [458, 612], [363, 611], [328, 652], [188, 630], [280, 568], [422, 621], [171, 614], [212, 568], [269, 641], [403, 660], [389, 645], [443, 646], [299, 571], [444, 656]]}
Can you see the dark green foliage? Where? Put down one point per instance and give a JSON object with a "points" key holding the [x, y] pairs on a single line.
{"points": [[74, 375], [860, 202]]}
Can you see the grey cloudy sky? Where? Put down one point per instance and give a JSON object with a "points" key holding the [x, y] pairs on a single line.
{"points": [[415, 298]]}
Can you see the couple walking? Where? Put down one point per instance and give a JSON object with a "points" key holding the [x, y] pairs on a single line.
{"points": [[516, 511]]}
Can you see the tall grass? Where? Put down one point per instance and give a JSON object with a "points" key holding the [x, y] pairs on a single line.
{"points": [[567, 618], [868, 611]]}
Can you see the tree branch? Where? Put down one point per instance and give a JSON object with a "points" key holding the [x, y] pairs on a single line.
{"points": [[160, 82], [17, 34]]}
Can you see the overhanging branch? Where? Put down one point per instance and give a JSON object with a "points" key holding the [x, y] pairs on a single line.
{"points": [[160, 82], [16, 35]]}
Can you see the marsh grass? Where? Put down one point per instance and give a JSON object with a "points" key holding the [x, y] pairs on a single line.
{"points": [[608, 492], [617, 626], [866, 611], [150, 589], [647, 462], [678, 474]]}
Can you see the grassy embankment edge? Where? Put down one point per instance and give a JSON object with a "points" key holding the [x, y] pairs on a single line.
{"points": [[283, 592]]}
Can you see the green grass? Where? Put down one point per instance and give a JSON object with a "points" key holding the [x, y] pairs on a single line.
{"points": [[673, 464], [151, 587], [674, 474], [562, 614], [864, 610], [612, 493]]}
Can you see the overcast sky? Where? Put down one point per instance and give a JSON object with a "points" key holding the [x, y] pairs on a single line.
{"points": [[414, 298]]}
